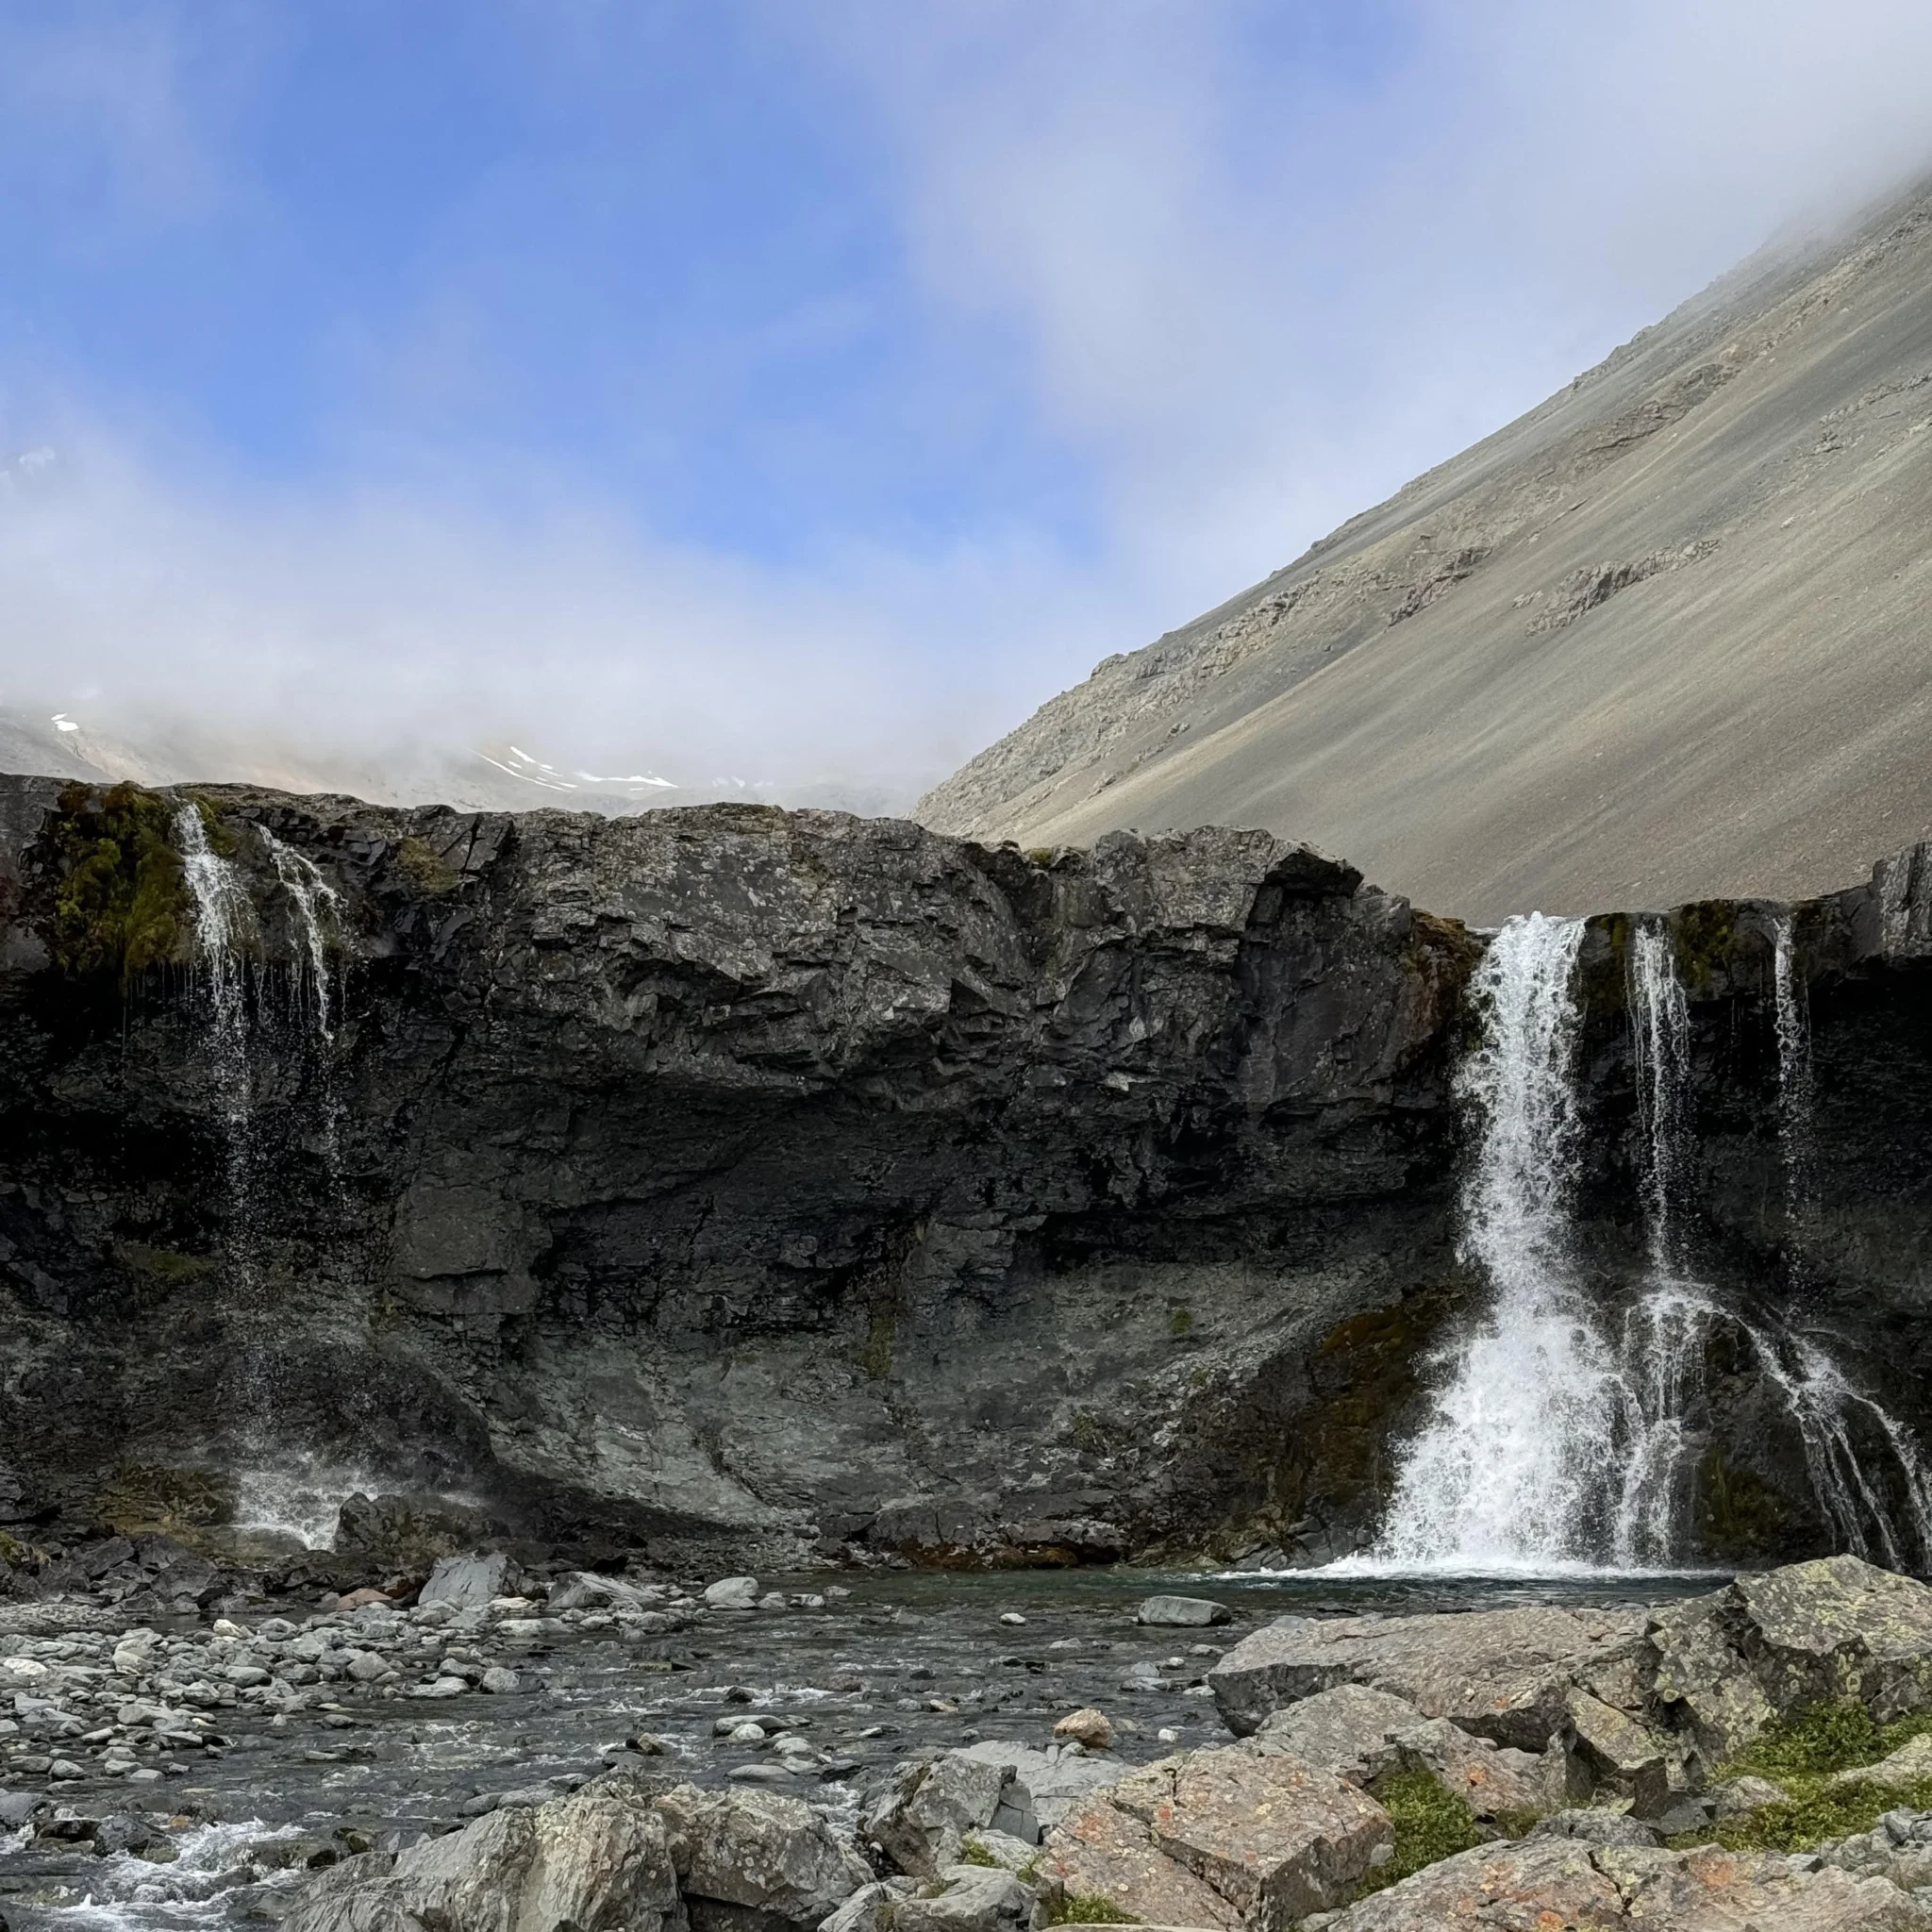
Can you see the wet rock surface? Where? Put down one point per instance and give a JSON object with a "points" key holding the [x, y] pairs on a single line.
{"points": [[882, 1757], [211, 1776]]}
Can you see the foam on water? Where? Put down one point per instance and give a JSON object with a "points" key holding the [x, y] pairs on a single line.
{"points": [[302, 1497]]}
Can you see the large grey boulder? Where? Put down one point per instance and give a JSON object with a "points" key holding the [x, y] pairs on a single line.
{"points": [[1579, 1887], [1838, 1628], [1225, 1838], [1504, 1675], [1720, 1667], [466, 1583], [923, 1819], [1360, 1734], [975, 1898], [933, 1805], [598, 1861], [760, 1851]]}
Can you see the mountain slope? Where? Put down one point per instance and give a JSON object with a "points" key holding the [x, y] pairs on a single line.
{"points": [[1667, 636]]}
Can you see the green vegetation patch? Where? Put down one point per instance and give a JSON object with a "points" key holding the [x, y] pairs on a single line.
{"points": [[427, 869], [973, 1853], [1822, 1741], [121, 900], [1086, 1909], [1803, 1754], [162, 1264], [1431, 1824]]}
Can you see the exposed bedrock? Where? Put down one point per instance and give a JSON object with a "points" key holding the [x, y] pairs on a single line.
{"points": [[792, 1184]]}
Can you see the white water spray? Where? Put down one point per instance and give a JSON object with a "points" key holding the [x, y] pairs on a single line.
{"points": [[1563, 1434], [1511, 1469]]}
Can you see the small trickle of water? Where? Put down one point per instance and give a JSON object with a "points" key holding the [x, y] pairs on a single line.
{"points": [[318, 920], [1660, 1034], [1796, 1092], [225, 926]]}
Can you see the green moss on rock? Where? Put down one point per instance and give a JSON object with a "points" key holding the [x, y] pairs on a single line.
{"points": [[121, 899], [427, 869], [1431, 1823]]}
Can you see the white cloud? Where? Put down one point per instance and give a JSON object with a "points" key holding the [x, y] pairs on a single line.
{"points": [[1251, 296]]}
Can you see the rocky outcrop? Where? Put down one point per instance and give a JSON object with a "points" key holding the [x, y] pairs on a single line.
{"points": [[784, 1181], [1558, 1882], [733, 1182]]}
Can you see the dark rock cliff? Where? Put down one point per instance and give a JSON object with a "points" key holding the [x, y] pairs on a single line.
{"points": [[793, 1184], [785, 1179]]}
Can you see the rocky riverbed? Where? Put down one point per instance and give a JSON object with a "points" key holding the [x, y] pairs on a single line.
{"points": [[979, 1750]]}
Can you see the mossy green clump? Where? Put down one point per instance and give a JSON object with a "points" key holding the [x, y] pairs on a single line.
{"points": [[1179, 1322], [1821, 1811], [162, 1264], [427, 869], [121, 899], [1739, 1514], [1086, 1909], [1431, 1823], [1803, 1754], [875, 1351], [1822, 1741], [973, 1853]]}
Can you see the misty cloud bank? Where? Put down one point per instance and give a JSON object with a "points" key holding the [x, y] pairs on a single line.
{"points": [[1245, 275]]}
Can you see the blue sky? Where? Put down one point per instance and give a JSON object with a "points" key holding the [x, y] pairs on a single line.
{"points": [[812, 387]]}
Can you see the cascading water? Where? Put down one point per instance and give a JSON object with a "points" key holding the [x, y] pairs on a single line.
{"points": [[225, 926], [1795, 1087], [1511, 1470], [1564, 1434], [318, 919]]}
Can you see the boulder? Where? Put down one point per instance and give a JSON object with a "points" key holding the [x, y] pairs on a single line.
{"points": [[598, 1860], [1700, 1681], [1097, 1853], [975, 1898], [733, 1593], [1360, 1733], [1837, 1628], [1182, 1612], [1276, 1838], [762, 1851], [1596, 1824], [1738, 1797], [584, 1589], [1569, 1883], [1622, 1757], [1042, 1789], [1090, 1729], [1500, 1674], [466, 1583], [1911, 1760], [931, 1805]]}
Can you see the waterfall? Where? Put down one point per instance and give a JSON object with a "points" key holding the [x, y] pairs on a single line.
{"points": [[1512, 1468], [1564, 1432], [225, 926], [317, 904]]}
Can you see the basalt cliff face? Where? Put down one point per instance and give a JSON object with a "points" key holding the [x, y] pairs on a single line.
{"points": [[796, 1185]]}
